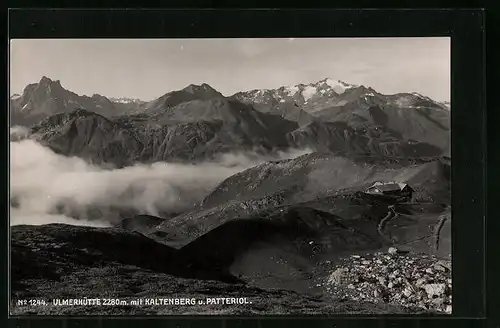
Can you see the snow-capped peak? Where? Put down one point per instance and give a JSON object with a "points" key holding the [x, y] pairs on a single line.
{"points": [[307, 92], [338, 86]]}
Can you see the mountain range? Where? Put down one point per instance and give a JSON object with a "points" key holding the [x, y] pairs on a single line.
{"points": [[198, 121], [271, 232]]}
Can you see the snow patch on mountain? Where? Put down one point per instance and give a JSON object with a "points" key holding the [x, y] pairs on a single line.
{"points": [[125, 100], [339, 86], [309, 92], [422, 96], [328, 92], [291, 90]]}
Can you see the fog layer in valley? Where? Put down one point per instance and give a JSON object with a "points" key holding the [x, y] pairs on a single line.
{"points": [[46, 187]]}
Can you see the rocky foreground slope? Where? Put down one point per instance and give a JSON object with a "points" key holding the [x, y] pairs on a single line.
{"points": [[409, 279], [68, 262], [273, 276]]}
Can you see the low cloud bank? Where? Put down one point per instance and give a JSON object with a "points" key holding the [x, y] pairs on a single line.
{"points": [[47, 187], [18, 133]]}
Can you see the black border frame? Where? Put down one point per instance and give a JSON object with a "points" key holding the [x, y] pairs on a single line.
{"points": [[464, 26]]}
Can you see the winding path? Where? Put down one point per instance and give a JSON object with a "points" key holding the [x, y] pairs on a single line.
{"points": [[436, 234], [439, 226], [391, 214]]}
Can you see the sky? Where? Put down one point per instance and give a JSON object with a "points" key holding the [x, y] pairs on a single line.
{"points": [[148, 68]]}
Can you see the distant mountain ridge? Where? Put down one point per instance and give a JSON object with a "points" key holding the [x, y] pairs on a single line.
{"points": [[174, 98], [327, 93], [199, 121], [409, 116], [48, 97], [125, 140]]}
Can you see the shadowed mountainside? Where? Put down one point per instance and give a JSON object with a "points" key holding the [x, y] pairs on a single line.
{"points": [[373, 139], [228, 127], [305, 178], [126, 140], [319, 174]]}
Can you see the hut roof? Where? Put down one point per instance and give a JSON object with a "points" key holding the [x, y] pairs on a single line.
{"points": [[389, 187]]}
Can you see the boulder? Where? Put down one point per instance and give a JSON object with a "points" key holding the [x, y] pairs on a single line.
{"points": [[392, 250], [338, 276], [435, 290]]}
